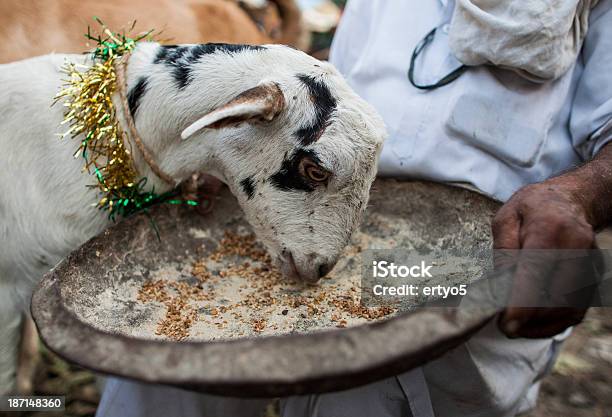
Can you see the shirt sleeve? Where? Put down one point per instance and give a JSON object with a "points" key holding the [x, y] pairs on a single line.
{"points": [[591, 114]]}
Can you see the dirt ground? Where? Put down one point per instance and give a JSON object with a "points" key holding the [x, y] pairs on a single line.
{"points": [[581, 382], [580, 385]]}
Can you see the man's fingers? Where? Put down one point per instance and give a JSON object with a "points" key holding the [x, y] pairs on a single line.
{"points": [[540, 323], [533, 270], [512, 320], [531, 279], [544, 221], [543, 300], [506, 226]]}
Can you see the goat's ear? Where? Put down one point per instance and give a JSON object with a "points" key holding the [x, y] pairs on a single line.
{"points": [[258, 104]]}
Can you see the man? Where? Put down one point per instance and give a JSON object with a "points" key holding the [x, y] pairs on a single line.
{"points": [[497, 131], [531, 129]]}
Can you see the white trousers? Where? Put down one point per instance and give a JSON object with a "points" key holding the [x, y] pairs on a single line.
{"points": [[387, 398], [488, 376]]}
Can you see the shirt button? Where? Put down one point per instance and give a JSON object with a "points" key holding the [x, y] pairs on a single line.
{"points": [[445, 28]]}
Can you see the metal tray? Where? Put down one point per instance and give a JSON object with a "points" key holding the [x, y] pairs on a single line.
{"points": [[415, 215]]}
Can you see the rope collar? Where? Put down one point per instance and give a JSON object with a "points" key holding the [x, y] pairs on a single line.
{"points": [[121, 70]]}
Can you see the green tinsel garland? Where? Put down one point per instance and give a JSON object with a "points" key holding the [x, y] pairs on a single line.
{"points": [[91, 113]]}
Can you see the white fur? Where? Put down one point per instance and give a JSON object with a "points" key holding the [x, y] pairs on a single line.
{"points": [[47, 209]]}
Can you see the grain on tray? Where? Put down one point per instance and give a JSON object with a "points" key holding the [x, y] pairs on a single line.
{"points": [[178, 320], [191, 292], [153, 291], [200, 271], [259, 324], [241, 245], [263, 293]]}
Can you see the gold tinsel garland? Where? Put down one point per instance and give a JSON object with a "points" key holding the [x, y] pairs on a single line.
{"points": [[90, 112]]}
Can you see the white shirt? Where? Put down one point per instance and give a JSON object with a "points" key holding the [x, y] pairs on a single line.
{"points": [[489, 129]]}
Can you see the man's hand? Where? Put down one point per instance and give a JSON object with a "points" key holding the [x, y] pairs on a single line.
{"points": [[541, 216], [560, 213]]}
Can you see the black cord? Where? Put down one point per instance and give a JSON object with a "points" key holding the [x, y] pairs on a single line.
{"points": [[447, 79]]}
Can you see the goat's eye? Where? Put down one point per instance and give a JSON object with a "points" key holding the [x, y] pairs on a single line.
{"points": [[314, 172]]}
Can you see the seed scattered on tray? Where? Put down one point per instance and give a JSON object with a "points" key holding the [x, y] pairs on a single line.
{"points": [[270, 301], [259, 325], [153, 291], [178, 320]]}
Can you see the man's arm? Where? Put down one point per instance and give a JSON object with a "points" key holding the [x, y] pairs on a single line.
{"points": [[592, 186], [560, 213]]}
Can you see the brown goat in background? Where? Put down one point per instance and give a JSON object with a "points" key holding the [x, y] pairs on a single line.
{"points": [[36, 27]]}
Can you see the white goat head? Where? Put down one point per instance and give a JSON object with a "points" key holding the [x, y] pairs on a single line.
{"points": [[294, 143]]}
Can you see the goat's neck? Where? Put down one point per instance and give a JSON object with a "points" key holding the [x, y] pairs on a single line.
{"points": [[163, 113]]}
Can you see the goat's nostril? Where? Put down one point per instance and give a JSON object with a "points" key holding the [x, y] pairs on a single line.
{"points": [[324, 269]]}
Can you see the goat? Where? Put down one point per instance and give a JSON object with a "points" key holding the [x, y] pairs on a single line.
{"points": [[296, 146], [36, 27]]}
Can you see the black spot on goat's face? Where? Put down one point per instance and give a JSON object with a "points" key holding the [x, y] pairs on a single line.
{"points": [[292, 174], [248, 187], [324, 106], [135, 95]]}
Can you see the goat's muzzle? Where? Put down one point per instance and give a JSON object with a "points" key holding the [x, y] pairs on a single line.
{"points": [[309, 272]]}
